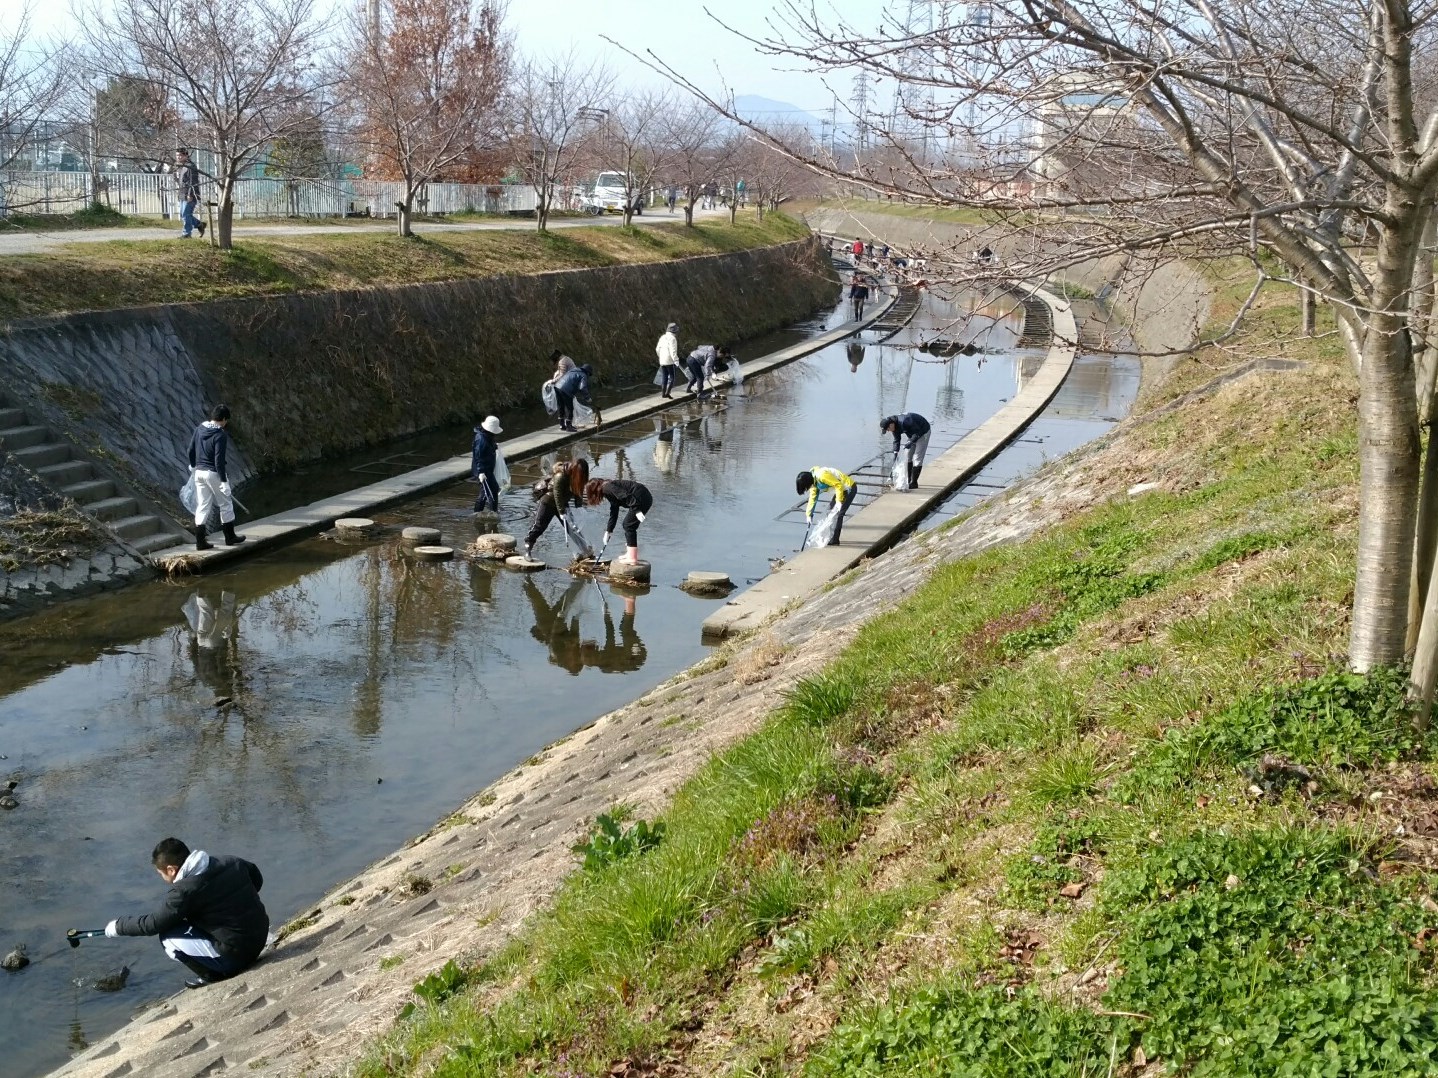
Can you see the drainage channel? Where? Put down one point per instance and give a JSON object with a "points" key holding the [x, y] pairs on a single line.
{"points": [[316, 707]]}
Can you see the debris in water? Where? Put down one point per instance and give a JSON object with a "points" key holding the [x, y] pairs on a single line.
{"points": [[16, 959], [113, 981], [224, 701], [8, 802]]}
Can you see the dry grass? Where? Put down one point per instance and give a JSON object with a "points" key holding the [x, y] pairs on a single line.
{"points": [[34, 538]]}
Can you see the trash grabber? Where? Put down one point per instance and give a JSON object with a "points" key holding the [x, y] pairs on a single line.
{"points": [[808, 526], [75, 935]]}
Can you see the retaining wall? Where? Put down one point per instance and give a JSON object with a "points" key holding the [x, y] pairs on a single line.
{"points": [[315, 374]]}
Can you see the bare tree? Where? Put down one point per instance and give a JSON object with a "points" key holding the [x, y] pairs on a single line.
{"points": [[773, 177], [552, 124], [636, 145], [1228, 127], [34, 76], [243, 70], [425, 79], [692, 133]]}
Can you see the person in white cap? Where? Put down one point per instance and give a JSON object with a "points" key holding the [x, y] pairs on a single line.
{"points": [[668, 349], [481, 464]]}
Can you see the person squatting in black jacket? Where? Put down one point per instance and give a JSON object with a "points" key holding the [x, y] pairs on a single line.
{"points": [[566, 490], [482, 462], [212, 920], [631, 495], [570, 386], [916, 427], [212, 483]]}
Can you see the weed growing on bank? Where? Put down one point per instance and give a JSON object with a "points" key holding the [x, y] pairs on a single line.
{"points": [[1100, 802]]}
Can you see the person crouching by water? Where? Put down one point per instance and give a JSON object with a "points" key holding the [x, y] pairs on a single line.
{"points": [[916, 427], [573, 386], [212, 920], [816, 481], [566, 491], [705, 362], [212, 483], [630, 495], [482, 462]]}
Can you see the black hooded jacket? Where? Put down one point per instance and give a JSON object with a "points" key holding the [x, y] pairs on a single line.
{"points": [[222, 900]]}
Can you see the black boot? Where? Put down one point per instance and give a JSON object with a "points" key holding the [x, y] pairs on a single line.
{"points": [[200, 543], [914, 475], [231, 539]]}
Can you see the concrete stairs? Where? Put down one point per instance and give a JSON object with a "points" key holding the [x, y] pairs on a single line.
{"points": [[61, 467]]}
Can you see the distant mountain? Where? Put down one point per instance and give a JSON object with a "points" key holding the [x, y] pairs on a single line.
{"points": [[765, 110]]}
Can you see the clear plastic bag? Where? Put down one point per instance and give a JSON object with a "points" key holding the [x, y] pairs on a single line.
{"points": [[577, 543], [188, 497], [736, 376], [501, 471], [659, 377], [900, 476], [551, 398], [824, 531], [583, 414]]}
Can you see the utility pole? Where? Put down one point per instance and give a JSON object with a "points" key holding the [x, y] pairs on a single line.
{"points": [[860, 106]]}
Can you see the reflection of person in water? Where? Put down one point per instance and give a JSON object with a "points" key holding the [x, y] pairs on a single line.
{"points": [[554, 627], [856, 355], [616, 656], [664, 448], [213, 624], [481, 583]]}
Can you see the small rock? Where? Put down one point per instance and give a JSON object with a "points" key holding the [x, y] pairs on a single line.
{"points": [[1140, 1058], [1232, 882], [1142, 488], [8, 802], [1072, 890], [16, 959], [1089, 975], [223, 701], [113, 981]]}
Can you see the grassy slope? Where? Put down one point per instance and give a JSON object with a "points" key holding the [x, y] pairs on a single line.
{"points": [[1025, 825], [127, 273]]}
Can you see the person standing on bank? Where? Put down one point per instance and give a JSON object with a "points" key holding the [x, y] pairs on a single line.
{"points": [[212, 920], [668, 351], [631, 495], [566, 491], [816, 481], [481, 464], [187, 192], [916, 427], [212, 484]]}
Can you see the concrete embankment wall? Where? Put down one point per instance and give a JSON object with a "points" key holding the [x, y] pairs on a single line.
{"points": [[314, 374]]}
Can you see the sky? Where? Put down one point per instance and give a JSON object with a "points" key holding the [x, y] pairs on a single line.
{"points": [[680, 33]]}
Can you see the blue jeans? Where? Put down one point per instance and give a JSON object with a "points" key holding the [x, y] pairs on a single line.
{"points": [[187, 215]]}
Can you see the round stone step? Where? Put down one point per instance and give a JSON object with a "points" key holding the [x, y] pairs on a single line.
{"points": [[433, 553], [495, 545], [421, 536], [623, 572], [356, 526], [705, 583], [523, 564]]}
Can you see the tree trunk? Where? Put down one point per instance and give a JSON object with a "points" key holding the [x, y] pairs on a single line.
{"points": [[1425, 660], [733, 210], [225, 222], [1310, 311], [403, 214], [541, 210], [689, 214]]}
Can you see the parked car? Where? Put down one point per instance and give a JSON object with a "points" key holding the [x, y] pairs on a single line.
{"points": [[609, 193]]}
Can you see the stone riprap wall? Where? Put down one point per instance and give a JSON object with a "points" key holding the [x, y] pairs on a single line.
{"points": [[315, 374]]}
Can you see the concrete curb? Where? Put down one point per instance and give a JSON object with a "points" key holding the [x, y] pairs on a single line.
{"points": [[875, 527]]}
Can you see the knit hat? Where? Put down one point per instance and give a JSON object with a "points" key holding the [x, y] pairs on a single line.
{"points": [[672, 327], [491, 424]]}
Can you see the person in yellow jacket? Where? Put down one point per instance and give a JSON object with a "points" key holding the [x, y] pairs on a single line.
{"points": [[817, 480]]}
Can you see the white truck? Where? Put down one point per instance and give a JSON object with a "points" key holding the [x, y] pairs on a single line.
{"points": [[610, 190]]}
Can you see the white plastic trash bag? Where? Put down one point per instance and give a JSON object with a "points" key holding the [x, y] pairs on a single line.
{"points": [[901, 471], [188, 496], [551, 398], [501, 471], [583, 414], [736, 376], [824, 531], [659, 377]]}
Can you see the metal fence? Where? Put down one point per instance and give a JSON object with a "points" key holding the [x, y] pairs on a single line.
{"points": [[152, 194]]}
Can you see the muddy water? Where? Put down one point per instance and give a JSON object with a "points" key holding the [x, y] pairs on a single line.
{"points": [[369, 694]]}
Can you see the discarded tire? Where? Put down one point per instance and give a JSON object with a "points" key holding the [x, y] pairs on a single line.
{"points": [[702, 583], [434, 553], [421, 536], [623, 572]]}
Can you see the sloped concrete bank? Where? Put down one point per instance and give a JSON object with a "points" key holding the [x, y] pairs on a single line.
{"points": [[314, 374]]}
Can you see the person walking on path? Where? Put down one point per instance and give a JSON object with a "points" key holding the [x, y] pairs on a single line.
{"points": [[629, 494], [916, 428], [819, 479], [187, 192], [672, 197], [705, 362], [212, 920], [566, 491], [573, 386], [212, 483], [481, 464], [857, 250], [858, 295], [668, 352]]}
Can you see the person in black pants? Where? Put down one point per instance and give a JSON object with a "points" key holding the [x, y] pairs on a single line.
{"points": [[916, 427], [566, 490], [630, 494], [481, 464], [858, 295], [571, 386], [212, 919]]}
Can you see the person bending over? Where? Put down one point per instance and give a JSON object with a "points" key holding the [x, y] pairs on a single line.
{"points": [[629, 494], [212, 920], [816, 481], [566, 490], [571, 386], [916, 427]]}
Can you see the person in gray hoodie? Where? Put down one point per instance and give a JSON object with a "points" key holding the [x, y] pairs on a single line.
{"points": [[212, 920], [212, 483]]}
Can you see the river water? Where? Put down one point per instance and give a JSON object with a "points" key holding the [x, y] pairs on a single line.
{"points": [[371, 694]]}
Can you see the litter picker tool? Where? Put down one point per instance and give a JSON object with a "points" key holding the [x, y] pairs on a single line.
{"points": [[75, 935]]}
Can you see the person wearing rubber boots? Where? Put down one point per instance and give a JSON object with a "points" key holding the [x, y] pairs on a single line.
{"points": [[630, 495], [570, 387], [212, 484], [481, 464], [916, 428], [566, 491], [819, 479]]}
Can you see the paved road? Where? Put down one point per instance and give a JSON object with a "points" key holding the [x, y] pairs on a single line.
{"points": [[31, 243]]}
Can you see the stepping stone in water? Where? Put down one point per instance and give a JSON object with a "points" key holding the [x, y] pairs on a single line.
{"points": [[622, 572], [704, 583], [433, 553], [350, 527], [421, 536], [523, 564]]}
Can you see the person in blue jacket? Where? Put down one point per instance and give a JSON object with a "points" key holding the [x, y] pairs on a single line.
{"points": [[916, 428], [482, 462], [573, 385]]}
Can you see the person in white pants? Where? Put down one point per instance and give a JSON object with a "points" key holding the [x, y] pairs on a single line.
{"points": [[212, 484]]}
